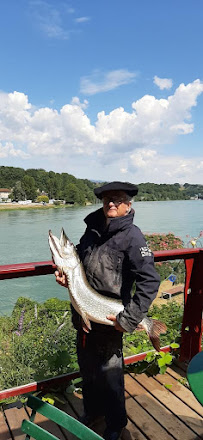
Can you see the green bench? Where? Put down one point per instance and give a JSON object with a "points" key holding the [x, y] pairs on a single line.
{"points": [[56, 415]]}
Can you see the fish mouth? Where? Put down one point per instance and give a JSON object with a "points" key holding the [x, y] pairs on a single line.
{"points": [[63, 238], [53, 244], [58, 246]]}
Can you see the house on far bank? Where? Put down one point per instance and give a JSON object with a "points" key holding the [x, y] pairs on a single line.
{"points": [[24, 202], [4, 193]]}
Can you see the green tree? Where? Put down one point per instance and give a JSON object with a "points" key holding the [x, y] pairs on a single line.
{"points": [[72, 194], [54, 186], [81, 199], [18, 192], [9, 176], [29, 186]]}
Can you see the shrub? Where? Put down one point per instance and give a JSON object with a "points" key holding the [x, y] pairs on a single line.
{"points": [[171, 314], [43, 198], [37, 342], [161, 242]]}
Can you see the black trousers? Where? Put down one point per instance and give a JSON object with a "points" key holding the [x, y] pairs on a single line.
{"points": [[100, 359]]}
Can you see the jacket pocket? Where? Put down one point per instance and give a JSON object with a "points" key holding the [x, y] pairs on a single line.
{"points": [[110, 265]]}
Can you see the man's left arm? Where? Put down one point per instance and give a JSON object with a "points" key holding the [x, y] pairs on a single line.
{"points": [[141, 267]]}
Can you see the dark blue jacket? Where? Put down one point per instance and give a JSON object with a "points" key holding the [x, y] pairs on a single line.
{"points": [[116, 256]]}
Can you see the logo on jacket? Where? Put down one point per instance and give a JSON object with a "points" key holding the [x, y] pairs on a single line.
{"points": [[145, 251]]}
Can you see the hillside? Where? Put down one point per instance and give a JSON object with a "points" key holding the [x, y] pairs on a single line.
{"points": [[28, 184], [152, 191]]}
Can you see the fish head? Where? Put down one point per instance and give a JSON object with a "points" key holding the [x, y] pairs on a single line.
{"points": [[63, 251]]}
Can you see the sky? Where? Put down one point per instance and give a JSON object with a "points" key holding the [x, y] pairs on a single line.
{"points": [[107, 90]]}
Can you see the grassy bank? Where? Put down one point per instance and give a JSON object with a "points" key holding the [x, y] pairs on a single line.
{"points": [[10, 207]]}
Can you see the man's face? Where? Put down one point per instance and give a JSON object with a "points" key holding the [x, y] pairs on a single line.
{"points": [[115, 204]]}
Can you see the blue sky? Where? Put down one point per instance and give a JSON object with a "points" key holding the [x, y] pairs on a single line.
{"points": [[107, 90]]}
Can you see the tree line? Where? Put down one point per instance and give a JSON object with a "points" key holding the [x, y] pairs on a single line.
{"points": [[31, 184], [152, 191]]}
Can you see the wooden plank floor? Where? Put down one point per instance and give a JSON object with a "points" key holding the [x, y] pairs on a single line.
{"points": [[158, 407]]}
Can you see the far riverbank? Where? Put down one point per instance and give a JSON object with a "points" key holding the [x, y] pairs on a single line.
{"points": [[31, 206]]}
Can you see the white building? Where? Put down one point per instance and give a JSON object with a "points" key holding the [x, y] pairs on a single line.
{"points": [[4, 193], [24, 202]]}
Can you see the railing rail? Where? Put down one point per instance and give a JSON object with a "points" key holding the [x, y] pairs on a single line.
{"points": [[193, 306], [47, 267]]}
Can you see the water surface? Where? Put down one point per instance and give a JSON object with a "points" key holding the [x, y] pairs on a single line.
{"points": [[24, 238]]}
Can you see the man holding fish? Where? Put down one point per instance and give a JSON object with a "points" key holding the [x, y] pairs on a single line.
{"points": [[114, 254]]}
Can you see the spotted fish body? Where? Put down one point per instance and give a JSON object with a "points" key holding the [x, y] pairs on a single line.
{"points": [[91, 305]]}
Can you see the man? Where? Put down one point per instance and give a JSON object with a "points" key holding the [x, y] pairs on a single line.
{"points": [[115, 255]]}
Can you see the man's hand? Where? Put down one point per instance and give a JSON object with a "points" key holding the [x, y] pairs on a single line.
{"points": [[116, 324], [61, 279]]}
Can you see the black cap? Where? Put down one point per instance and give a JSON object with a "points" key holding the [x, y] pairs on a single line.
{"points": [[129, 188]]}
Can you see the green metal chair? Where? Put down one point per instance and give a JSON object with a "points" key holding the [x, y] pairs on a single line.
{"points": [[56, 415], [195, 376]]}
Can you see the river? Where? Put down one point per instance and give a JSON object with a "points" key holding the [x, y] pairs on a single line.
{"points": [[24, 238]]}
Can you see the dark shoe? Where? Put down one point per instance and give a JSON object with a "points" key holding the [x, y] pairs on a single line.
{"points": [[86, 419], [112, 435]]}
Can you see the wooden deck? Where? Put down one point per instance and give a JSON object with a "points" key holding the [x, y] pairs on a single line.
{"points": [[158, 408]]}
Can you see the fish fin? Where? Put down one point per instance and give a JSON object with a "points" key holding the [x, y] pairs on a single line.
{"points": [[86, 320], [156, 329]]}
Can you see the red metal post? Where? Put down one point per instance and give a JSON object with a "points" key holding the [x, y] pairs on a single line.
{"points": [[192, 319]]}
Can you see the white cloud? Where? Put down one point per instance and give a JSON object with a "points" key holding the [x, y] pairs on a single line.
{"points": [[114, 138], [54, 21], [163, 83], [8, 150], [75, 101], [149, 165], [49, 19], [82, 19], [152, 121], [99, 82]]}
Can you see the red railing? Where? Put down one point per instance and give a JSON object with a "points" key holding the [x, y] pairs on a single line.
{"points": [[192, 319]]}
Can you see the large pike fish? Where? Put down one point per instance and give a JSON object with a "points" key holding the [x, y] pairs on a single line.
{"points": [[91, 305]]}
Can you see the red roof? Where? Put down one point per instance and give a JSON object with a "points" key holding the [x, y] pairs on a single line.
{"points": [[5, 190]]}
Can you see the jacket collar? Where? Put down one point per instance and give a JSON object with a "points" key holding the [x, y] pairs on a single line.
{"points": [[97, 221]]}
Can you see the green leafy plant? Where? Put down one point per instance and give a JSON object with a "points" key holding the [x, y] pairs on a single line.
{"points": [[154, 362], [171, 314], [37, 342]]}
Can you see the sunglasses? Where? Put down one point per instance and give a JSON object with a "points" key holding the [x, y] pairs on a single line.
{"points": [[115, 200]]}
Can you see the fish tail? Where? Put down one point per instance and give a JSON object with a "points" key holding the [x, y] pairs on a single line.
{"points": [[156, 329]]}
